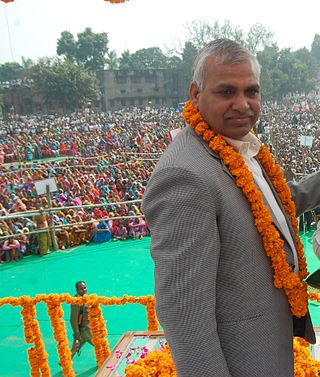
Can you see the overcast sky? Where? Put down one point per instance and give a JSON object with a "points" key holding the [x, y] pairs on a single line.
{"points": [[30, 28]]}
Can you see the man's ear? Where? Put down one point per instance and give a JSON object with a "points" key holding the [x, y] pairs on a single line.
{"points": [[194, 92]]}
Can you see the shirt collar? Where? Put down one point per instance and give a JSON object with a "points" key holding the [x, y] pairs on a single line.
{"points": [[248, 146]]}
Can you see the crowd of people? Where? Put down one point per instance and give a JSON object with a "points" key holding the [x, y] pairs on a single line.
{"points": [[101, 163]]}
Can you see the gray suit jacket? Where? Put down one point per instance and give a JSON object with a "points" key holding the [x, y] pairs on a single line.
{"points": [[215, 298]]}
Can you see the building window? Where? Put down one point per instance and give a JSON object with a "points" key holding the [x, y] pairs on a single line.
{"points": [[139, 90], [122, 91]]}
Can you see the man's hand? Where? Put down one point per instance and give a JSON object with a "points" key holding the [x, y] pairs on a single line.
{"points": [[76, 341]]}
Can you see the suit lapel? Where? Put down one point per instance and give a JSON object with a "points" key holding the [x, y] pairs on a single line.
{"points": [[274, 219], [288, 250]]}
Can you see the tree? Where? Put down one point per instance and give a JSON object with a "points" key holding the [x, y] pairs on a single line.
{"points": [[297, 76], [64, 85], [92, 48], [10, 71], [258, 37], [202, 32], [26, 63], [88, 50], [188, 55], [315, 49], [125, 61], [285, 72], [270, 73], [112, 60], [1, 103], [173, 62], [67, 46], [148, 58]]}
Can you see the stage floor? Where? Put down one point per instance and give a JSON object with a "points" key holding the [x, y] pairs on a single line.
{"points": [[111, 269]]}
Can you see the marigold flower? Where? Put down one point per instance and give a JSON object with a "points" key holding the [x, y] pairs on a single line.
{"points": [[295, 290]]}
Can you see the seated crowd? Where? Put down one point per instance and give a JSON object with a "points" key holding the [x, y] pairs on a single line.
{"points": [[101, 163]]}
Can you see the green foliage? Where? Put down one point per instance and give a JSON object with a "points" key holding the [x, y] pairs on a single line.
{"points": [[188, 56], [315, 49], [1, 102], [125, 61], [173, 62], [10, 71], [88, 50], [64, 85], [148, 58], [67, 46], [67, 84], [26, 63], [285, 72], [112, 60]]}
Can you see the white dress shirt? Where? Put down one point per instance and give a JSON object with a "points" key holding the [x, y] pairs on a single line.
{"points": [[248, 148]]}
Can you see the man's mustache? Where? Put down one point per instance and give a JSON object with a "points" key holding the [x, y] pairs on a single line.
{"points": [[236, 114]]}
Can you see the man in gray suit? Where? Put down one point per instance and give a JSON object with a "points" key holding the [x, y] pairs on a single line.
{"points": [[229, 267]]}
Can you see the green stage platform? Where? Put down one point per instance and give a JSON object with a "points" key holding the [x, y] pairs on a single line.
{"points": [[111, 269]]}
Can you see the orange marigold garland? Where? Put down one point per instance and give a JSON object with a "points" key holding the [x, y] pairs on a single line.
{"points": [[98, 329], [304, 364], [55, 312], [314, 296], [38, 357], [159, 363], [153, 323], [293, 285], [156, 364]]}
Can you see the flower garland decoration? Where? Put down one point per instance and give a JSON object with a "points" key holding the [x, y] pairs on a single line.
{"points": [[293, 285], [55, 313], [116, 1], [160, 363], [304, 364], [155, 364], [314, 296], [38, 357], [98, 330], [153, 323]]}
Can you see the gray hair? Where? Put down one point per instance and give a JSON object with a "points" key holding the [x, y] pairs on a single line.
{"points": [[225, 51]]}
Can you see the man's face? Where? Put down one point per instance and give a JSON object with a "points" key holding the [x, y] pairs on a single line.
{"points": [[230, 99], [82, 289]]}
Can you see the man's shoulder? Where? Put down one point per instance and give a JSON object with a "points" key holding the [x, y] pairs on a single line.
{"points": [[186, 150]]}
